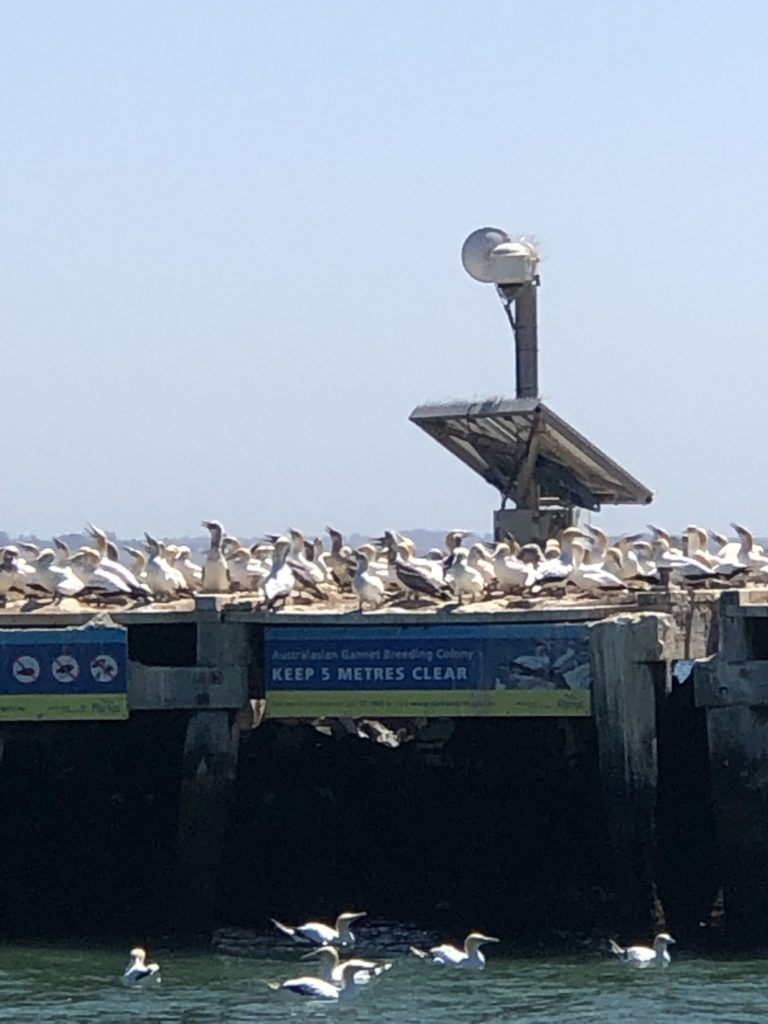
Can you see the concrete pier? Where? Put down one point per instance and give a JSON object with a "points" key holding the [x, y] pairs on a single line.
{"points": [[630, 665], [732, 687], [206, 664]]}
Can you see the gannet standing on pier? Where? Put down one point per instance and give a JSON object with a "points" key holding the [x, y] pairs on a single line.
{"points": [[58, 580], [215, 572], [465, 578], [368, 587], [162, 578], [470, 957], [138, 972], [318, 934], [643, 956]]}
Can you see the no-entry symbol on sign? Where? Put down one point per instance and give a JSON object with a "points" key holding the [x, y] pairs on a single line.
{"points": [[26, 669], [65, 668], [103, 668]]}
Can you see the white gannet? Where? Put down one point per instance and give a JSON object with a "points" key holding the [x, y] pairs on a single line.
{"points": [[318, 934], [332, 966], [511, 573], [368, 587], [138, 972], [683, 568], [318, 988], [215, 579], [139, 566], [749, 553], [592, 579], [480, 559], [58, 580], [99, 581], [339, 559], [191, 571], [299, 560], [106, 550], [11, 581], [405, 547], [413, 579], [165, 581], [643, 956], [280, 582], [465, 578], [470, 957]]}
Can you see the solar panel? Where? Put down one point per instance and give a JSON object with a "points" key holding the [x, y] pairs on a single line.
{"points": [[516, 444]]}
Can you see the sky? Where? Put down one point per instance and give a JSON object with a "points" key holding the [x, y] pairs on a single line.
{"points": [[230, 239]]}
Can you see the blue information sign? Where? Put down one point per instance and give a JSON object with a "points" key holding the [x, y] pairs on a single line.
{"points": [[50, 674], [395, 671]]}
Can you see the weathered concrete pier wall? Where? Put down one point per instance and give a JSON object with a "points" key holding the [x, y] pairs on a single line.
{"points": [[187, 816], [732, 689]]}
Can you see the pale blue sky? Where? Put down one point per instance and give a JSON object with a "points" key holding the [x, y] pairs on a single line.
{"points": [[230, 253]]}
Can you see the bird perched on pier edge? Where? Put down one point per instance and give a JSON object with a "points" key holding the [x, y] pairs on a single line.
{"points": [[644, 956], [317, 934], [215, 572]]}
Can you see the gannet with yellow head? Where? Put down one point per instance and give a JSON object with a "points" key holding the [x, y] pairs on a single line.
{"points": [[318, 934], [471, 957], [138, 971]]}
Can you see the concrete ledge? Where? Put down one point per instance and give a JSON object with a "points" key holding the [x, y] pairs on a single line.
{"points": [[164, 688]]}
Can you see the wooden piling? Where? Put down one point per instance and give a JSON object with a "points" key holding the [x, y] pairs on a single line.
{"points": [[629, 664], [209, 768]]}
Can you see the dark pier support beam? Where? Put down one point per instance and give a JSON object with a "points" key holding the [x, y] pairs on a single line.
{"points": [[629, 664], [210, 768], [732, 686], [205, 806]]}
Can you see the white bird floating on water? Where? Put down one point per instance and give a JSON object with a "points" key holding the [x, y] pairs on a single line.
{"points": [[644, 956], [470, 958], [318, 988], [138, 972], [332, 966], [319, 934]]}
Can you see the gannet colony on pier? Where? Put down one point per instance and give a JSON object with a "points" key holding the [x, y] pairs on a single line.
{"points": [[295, 572]]}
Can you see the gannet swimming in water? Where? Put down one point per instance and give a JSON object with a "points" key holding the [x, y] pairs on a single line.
{"points": [[332, 966], [138, 972], [318, 988], [470, 958], [368, 587], [643, 956], [318, 934], [215, 573]]}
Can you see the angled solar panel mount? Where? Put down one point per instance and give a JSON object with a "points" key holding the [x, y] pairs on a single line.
{"points": [[529, 454]]}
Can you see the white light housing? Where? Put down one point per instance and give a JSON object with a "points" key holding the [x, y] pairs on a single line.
{"points": [[491, 256]]}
